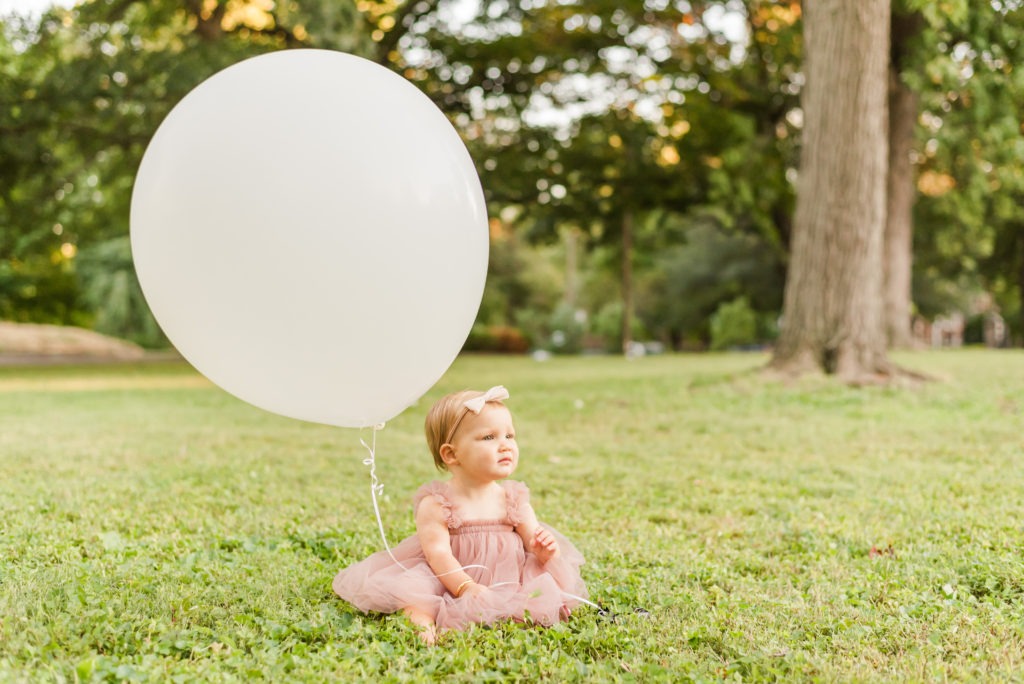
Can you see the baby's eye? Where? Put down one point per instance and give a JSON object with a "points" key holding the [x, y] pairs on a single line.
{"points": [[488, 437], [510, 436]]}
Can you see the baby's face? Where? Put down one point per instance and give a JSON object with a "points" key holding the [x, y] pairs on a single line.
{"points": [[485, 445]]}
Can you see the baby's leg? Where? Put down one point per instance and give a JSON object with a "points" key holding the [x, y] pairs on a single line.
{"points": [[422, 619]]}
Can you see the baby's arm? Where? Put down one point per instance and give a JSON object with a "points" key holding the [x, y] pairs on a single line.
{"points": [[432, 531], [536, 539]]}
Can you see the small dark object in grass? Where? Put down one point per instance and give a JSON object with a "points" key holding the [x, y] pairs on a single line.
{"points": [[614, 617]]}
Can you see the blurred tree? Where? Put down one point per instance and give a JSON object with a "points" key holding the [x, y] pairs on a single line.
{"points": [[112, 291], [897, 248], [594, 115], [832, 315], [970, 155], [87, 88], [519, 278], [734, 324], [598, 118], [709, 265], [35, 281], [957, 59]]}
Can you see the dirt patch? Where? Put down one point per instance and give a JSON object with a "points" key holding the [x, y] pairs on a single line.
{"points": [[27, 342]]}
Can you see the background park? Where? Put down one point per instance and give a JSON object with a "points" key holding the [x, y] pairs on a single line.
{"points": [[812, 196]]}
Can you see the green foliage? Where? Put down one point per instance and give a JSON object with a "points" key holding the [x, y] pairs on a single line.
{"points": [[577, 115], [112, 290], [32, 289], [970, 214], [596, 114], [519, 278], [713, 266], [566, 327], [157, 529], [81, 92], [500, 339], [606, 326], [734, 324]]}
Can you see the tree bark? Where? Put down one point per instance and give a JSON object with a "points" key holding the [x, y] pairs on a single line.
{"points": [[208, 23], [627, 281], [899, 227], [833, 313], [572, 270], [1018, 339]]}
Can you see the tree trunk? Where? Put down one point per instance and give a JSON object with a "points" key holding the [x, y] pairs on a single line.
{"points": [[627, 281], [572, 275], [899, 227], [1018, 339], [208, 20], [832, 313]]}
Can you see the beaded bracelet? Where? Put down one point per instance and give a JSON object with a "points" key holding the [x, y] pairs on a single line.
{"points": [[458, 589]]}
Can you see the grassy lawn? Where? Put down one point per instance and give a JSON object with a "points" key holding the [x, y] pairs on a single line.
{"points": [[153, 527]]}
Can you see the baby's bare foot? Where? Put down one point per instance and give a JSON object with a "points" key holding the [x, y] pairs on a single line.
{"points": [[424, 624], [428, 635]]}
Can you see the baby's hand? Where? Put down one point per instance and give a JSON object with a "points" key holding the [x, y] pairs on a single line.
{"points": [[544, 545], [474, 589]]}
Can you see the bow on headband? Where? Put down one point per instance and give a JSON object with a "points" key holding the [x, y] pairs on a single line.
{"points": [[496, 393]]}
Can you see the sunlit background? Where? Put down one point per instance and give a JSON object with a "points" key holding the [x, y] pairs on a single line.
{"points": [[640, 159], [29, 7]]}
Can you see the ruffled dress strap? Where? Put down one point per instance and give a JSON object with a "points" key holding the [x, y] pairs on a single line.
{"points": [[516, 494], [438, 490]]}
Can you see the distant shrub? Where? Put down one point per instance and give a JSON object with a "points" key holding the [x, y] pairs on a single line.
{"points": [[111, 288], [567, 326], [532, 323], [498, 339], [974, 329], [734, 324], [607, 325], [710, 266]]}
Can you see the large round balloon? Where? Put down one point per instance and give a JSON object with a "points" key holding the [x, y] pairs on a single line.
{"points": [[310, 233]]}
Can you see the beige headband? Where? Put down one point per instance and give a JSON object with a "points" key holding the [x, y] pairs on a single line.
{"points": [[476, 405]]}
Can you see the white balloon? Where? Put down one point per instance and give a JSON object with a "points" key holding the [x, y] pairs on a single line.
{"points": [[310, 233]]}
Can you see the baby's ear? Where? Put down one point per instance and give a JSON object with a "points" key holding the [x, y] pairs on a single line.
{"points": [[447, 452]]}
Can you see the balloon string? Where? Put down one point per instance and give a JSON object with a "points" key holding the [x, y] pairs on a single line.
{"points": [[580, 599], [377, 487]]}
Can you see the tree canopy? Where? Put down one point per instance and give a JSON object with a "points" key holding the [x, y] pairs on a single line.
{"points": [[665, 135]]}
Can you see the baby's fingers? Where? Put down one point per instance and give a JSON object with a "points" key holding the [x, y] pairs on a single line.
{"points": [[544, 537]]}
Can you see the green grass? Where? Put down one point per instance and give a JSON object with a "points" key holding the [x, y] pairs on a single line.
{"points": [[154, 528]]}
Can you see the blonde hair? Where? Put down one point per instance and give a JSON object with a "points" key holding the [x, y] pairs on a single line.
{"points": [[444, 419]]}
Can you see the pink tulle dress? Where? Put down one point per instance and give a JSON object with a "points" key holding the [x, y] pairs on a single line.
{"points": [[521, 587]]}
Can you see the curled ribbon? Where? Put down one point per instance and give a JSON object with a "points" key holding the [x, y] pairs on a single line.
{"points": [[377, 487]]}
